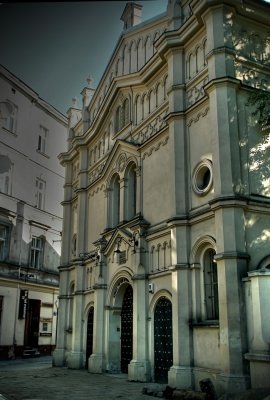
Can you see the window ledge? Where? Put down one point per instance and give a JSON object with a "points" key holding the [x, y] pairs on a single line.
{"points": [[43, 154], [7, 130], [205, 324]]}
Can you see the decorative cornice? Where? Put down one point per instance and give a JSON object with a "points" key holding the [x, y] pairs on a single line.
{"points": [[231, 255]]}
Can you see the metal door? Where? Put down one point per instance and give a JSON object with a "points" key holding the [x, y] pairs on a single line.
{"points": [[126, 329], [163, 345], [89, 338]]}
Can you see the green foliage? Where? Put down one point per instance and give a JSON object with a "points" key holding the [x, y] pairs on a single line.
{"points": [[260, 99]]}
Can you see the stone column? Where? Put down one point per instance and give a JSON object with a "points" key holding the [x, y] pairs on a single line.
{"points": [[231, 267], [96, 363], [75, 357], [122, 199], [59, 354], [139, 367], [138, 191], [177, 132], [180, 374], [97, 359]]}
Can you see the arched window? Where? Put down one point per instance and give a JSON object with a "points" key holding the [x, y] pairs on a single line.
{"points": [[210, 285], [118, 119], [114, 201], [70, 306], [138, 110], [130, 192], [126, 118]]}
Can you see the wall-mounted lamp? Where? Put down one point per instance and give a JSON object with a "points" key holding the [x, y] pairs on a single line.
{"points": [[133, 242]]}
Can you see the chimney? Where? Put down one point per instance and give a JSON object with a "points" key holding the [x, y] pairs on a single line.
{"points": [[132, 15]]}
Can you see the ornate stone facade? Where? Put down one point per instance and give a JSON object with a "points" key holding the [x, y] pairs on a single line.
{"points": [[172, 204]]}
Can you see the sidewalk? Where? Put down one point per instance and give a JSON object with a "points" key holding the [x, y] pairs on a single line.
{"points": [[27, 381]]}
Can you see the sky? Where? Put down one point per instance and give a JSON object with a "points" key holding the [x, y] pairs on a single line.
{"points": [[54, 46]]}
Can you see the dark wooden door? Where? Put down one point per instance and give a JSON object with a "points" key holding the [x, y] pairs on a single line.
{"points": [[31, 333], [163, 345], [126, 329], [90, 332]]}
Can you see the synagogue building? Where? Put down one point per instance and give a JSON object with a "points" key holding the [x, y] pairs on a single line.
{"points": [[165, 269]]}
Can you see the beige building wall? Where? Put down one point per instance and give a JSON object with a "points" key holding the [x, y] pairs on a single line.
{"points": [[173, 204]]}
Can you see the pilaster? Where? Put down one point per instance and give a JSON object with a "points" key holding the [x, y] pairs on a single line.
{"points": [[122, 199], [231, 261], [180, 374], [177, 131], [75, 357], [96, 363], [139, 367]]}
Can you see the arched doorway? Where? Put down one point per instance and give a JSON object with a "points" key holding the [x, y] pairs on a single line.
{"points": [[126, 329], [89, 335], [163, 345]]}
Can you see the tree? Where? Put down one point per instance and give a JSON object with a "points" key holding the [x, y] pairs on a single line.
{"points": [[261, 100]]}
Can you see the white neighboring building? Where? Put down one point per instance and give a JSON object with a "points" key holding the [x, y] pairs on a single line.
{"points": [[165, 266], [32, 134]]}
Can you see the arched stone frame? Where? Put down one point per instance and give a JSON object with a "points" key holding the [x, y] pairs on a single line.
{"points": [[117, 67], [130, 190], [197, 66], [118, 119], [255, 47], [145, 105], [165, 88], [74, 245], [189, 61], [152, 100], [126, 60], [140, 52], [152, 258], [161, 293], [264, 263], [113, 205], [159, 94], [126, 111], [204, 44], [148, 46], [155, 37], [133, 57], [71, 291], [116, 290], [87, 308], [138, 109], [198, 252]]}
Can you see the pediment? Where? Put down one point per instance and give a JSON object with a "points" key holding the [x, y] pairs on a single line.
{"points": [[121, 154], [120, 234]]}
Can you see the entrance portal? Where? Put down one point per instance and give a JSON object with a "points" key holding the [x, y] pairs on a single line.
{"points": [[31, 332], [126, 329], [163, 346], [89, 337]]}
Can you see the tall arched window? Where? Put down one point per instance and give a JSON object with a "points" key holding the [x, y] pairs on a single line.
{"points": [[114, 201], [126, 112], [130, 192], [210, 285], [118, 119]]}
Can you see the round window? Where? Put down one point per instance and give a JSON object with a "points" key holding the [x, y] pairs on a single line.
{"points": [[202, 177]]}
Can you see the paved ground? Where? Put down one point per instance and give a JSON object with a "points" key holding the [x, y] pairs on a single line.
{"points": [[35, 379]]}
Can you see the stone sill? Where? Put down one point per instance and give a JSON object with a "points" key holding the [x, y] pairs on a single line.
{"points": [[258, 356], [205, 324]]}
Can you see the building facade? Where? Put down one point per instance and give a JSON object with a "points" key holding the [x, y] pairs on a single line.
{"points": [[165, 258], [32, 134]]}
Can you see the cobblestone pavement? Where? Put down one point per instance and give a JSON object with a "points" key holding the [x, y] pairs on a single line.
{"points": [[27, 380]]}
